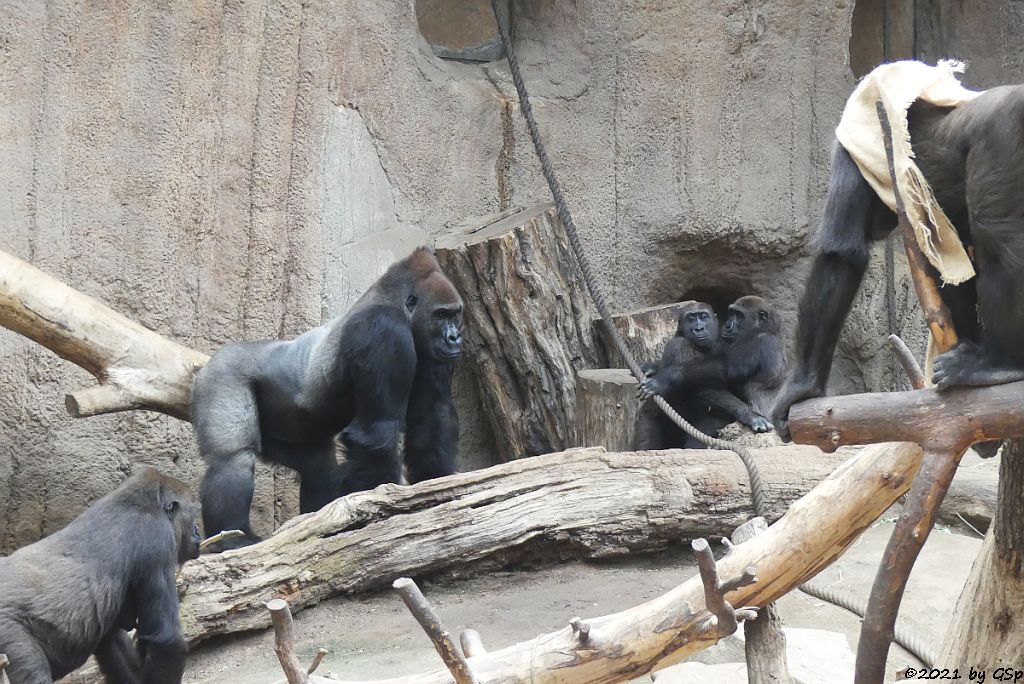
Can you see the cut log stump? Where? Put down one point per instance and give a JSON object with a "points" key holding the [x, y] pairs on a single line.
{"points": [[645, 331], [528, 325], [608, 408]]}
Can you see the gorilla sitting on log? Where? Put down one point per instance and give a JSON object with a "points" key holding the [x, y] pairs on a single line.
{"points": [[731, 376], [972, 156], [384, 367], [111, 569]]}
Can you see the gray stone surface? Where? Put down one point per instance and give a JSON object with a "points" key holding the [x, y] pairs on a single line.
{"points": [[241, 170]]}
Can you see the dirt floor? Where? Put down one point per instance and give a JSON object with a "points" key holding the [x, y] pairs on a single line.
{"points": [[373, 636]]}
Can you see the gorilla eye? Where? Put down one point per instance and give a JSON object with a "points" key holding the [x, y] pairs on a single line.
{"points": [[410, 303]]}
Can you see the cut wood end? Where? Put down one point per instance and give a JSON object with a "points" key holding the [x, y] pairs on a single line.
{"points": [[95, 401], [274, 605], [402, 583]]}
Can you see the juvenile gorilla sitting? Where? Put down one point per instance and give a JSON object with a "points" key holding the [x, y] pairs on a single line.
{"points": [[111, 569], [751, 363], [384, 367], [707, 409]]}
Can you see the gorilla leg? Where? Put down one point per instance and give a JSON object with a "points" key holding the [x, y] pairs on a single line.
{"points": [[431, 424], [28, 664], [118, 659], [227, 428], [371, 456]]}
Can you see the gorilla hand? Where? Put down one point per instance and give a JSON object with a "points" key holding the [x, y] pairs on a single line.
{"points": [[648, 387], [793, 391], [760, 424]]}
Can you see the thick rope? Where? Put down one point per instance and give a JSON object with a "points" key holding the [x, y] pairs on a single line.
{"points": [[908, 641], [756, 485]]}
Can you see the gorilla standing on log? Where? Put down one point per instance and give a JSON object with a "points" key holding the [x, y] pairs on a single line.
{"points": [[739, 377], [111, 569], [383, 367], [972, 156]]}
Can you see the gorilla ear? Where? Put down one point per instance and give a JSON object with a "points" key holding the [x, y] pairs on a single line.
{"points": [[763, 315], [410, 303], [172, 509]]}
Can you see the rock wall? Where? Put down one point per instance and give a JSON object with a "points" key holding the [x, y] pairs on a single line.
{"points": [[242, 170]]}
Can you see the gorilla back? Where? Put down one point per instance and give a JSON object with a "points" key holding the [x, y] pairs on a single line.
{"points": [[383, 368], [111, 569]]}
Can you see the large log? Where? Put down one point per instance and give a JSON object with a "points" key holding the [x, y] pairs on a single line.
{"points": [[608, 408], [136, 367], [674, 626], [527, 325]]}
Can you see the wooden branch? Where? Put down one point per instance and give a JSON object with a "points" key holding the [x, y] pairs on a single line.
{"points": [[220, 536], [472, 644], [431, 623], [764, 641], [670, 628], [952, 420], [284, 642], [321, 653], [940, 321], [136, 367], [909, 363], [583, 503], [727, 618], [3, 669], [528, 325]]}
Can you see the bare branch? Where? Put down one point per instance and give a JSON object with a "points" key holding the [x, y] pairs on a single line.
{"points": [[425, 614]]}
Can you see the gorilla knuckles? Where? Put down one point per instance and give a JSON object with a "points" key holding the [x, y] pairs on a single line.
{"points": [[382, 368], [112, 569]]}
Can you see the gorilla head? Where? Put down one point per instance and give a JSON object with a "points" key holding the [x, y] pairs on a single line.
{"points": [[750, 316], [699, 325], [435, 309]]}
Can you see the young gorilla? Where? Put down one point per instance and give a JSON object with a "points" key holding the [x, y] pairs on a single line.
{"points": [[751, 363], [111, 569], [709, 410], [383, 367], [973, 158]]}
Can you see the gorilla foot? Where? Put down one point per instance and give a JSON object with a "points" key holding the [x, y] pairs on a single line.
{"points": [[760, 424], [792, 392], [967, 364]]}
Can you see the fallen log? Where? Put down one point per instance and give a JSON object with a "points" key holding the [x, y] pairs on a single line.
{"points": [[527, 325], [584, 503], [136, 367], [670, 628]]}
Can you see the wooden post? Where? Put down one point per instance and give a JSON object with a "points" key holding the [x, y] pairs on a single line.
{"points": [[645, 331], [528, 325], [608, 408]]}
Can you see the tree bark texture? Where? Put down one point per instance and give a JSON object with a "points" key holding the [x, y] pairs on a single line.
{"points": [[528, 326], [645, 331]]}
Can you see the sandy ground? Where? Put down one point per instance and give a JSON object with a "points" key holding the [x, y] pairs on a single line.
{"points": [[373, 636]]}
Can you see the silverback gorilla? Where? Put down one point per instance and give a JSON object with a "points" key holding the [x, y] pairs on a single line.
{"points": [[111, 569], [383, 367], [973, 157], [708, 410], [750, 364]]}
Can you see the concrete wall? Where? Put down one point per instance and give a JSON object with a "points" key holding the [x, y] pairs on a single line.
{"points": [[241, 170]]}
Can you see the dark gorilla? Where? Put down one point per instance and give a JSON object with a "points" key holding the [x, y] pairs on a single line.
{"points": [[384, 367], [709, 409], [751, 363], [111, 569], [973, 157]]}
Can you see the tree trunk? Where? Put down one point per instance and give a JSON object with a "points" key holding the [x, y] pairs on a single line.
{"points": [[646, 331], [583, 503], [608, 408], [527, 328], [987, 628]]}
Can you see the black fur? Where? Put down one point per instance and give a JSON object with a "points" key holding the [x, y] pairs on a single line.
{"points": [[383, 368], [709, 409], [111, 569], [973, 158]]}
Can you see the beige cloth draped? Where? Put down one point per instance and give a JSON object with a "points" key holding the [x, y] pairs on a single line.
{"points": [[897, 85]]}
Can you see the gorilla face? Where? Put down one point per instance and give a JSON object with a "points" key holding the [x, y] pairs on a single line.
{"points": [[699, 325], [748, 316], [446, 333]]}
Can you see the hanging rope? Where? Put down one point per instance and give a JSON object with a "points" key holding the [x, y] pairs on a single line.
{"points": [[908, 641]]}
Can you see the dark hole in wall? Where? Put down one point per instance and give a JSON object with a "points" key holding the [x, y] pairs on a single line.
{"points": [[463, 30], [719, 296], [880, 31]]}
